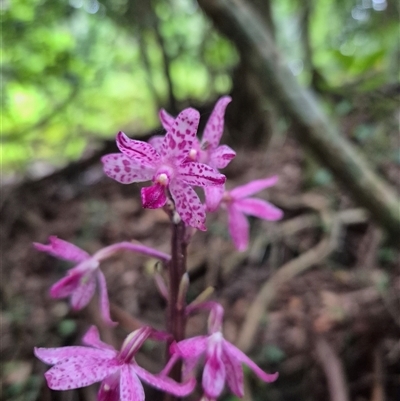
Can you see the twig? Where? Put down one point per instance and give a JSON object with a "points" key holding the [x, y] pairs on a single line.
{"points": [[272, 287], [333, 369], [378, 391], [287, 272], [369, 247]]}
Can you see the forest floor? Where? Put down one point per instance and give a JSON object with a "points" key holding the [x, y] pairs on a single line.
{"points": [[333, 321]]}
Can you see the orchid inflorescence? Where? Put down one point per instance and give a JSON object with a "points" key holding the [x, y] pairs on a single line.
{"points": [[174, 163]]}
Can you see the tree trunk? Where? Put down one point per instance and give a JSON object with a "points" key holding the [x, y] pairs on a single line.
{"points": [[242, 25]]}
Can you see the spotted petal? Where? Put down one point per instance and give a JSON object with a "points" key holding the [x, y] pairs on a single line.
{"points": [[67, 285], [240, 356], [259, 208], [178, 140], [213, 195], [221, 156], [80, 371], [166, 119], [215, 124], [104, 302], [84, 291], [253, 187], [234, 374], [238, 228], [63, 250], [153, 197], [191, 347], [188, 204], [130, 387], [140, 152], [109, 389], [92, 338], [125, 170], [214, 373], [199, 174], [51, 356], [164, 383], [156, 141]]}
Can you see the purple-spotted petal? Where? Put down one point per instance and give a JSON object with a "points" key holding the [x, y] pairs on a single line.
{"points": [[109, 389], [242, 357], [214, 373], [164, 383], [199, 174], [234, 374], [84, 291], [130, 387], [188, 205], [259, 208], [153, 197], [80, 371], [166, 119], [190, 348], [221, 156], [253, 187], [92, 338], [104, 302], [51, 356], [195, 153], [188, 368], [156, 141], [125, 170], [178, 140], [67, 285], [213, 195], [62, 249], [140, 152], [238, 228], [215, 124]]}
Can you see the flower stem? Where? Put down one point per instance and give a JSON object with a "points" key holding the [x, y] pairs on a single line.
{"points": [[176, 319]]}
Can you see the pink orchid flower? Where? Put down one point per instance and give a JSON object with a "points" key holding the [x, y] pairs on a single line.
{"points": [[168, 167], [80, 366], [223, 361], [208, 150], [80, 282], [238, 204]]}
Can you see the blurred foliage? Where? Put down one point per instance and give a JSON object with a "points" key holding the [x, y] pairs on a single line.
{"points": [[78, 70], [72, 72]]}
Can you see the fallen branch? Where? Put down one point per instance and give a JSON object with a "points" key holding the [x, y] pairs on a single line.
{"points": [[333, 369], [290, 270], [273, 285]]}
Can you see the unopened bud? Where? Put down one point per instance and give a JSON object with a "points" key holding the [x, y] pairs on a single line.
{"points": [[161, 285], [133, 342], [203, 296], [183, 289]]}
